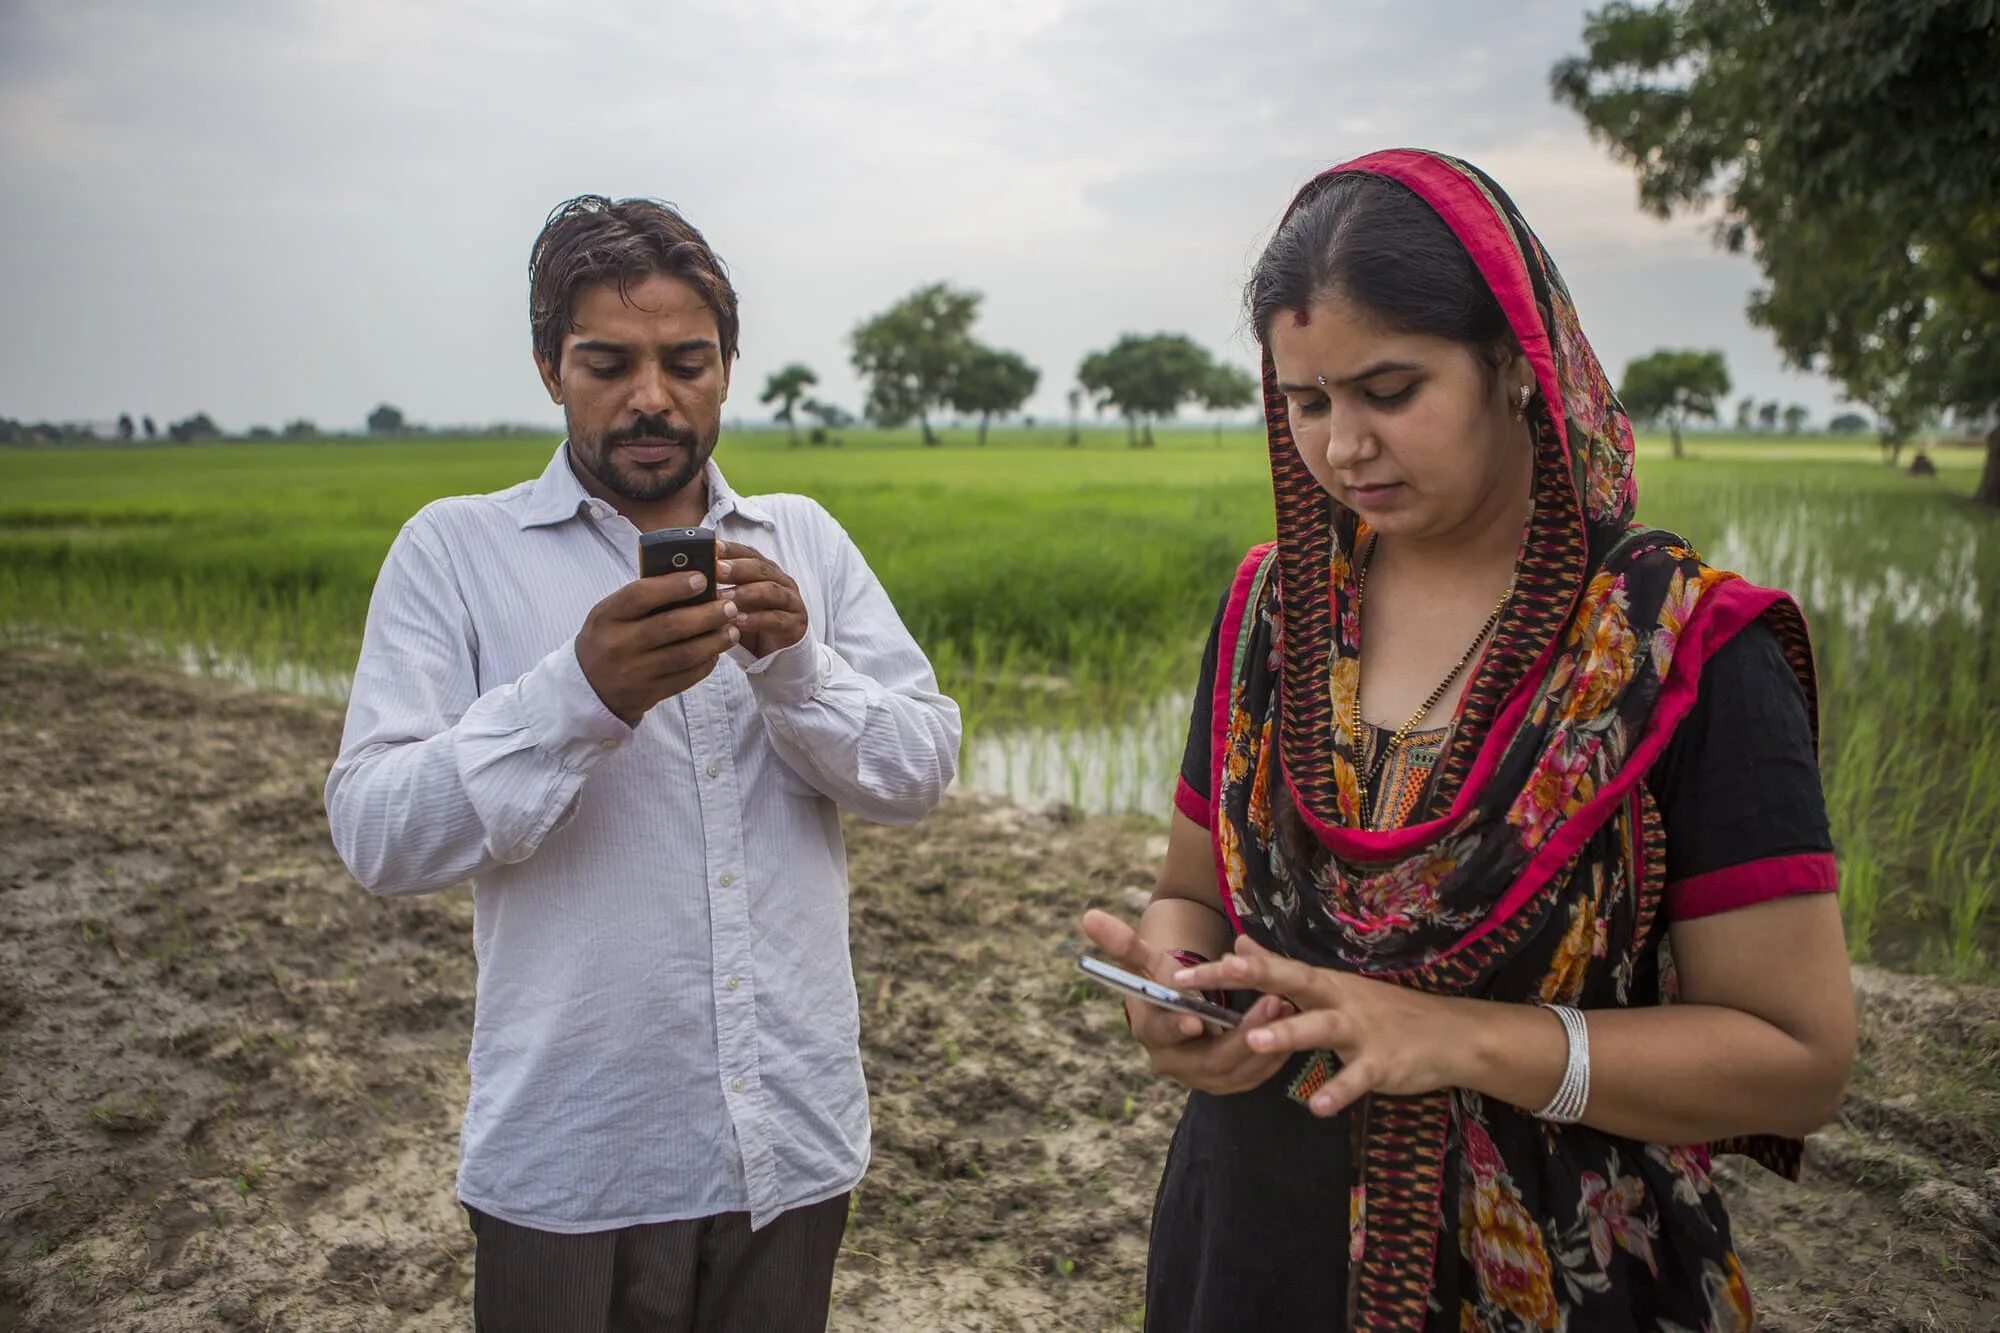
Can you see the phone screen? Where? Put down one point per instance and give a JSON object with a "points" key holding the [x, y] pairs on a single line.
{"points": [[1152, 992]]}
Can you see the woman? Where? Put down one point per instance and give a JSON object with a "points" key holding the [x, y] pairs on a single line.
{"points": [[1482, 776]]}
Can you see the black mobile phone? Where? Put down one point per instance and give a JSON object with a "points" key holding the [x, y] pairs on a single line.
{"points": [[1152, 992], [680, 551]]}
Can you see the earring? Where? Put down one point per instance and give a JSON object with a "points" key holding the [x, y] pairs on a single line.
{"points": [[1527, 392]]}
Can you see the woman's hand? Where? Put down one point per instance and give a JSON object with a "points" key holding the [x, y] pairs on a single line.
{"points": [[1389, 1038], [1181, 1046]]}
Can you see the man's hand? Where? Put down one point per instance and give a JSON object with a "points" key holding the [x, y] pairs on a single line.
{"points": [[1181, 1046], [634, 655], [773, 613]]}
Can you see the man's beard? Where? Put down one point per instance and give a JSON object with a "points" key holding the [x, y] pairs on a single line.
{"points": [[640, 482]]}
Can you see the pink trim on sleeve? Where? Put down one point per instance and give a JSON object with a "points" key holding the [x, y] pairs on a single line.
{"points": [[1752, 882], [1191, 802]]}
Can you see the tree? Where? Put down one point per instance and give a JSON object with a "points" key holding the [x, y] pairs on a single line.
{"points": [[912, 352], [829, 417], [1146, 379], [152, 431], [1767, 416], [1848, 144], [1848, 423], [992, 383], [1746, 409], [300, 429], [197, 427], [1075, 399], [386, 420], [125, 426], [1226, 388], [1795, 419], [787, 386], [1669, 387]]}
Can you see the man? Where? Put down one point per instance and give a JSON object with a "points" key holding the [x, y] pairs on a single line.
{"points": [[667, 1110]]}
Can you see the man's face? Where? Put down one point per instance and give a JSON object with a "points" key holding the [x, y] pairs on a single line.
{"points": [[641, 383]]}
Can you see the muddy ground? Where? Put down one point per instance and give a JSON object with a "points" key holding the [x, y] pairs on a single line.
{"points": [[230, 1081]]}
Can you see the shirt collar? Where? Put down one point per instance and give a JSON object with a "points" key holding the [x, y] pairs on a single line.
{"points": [[557, 495]]}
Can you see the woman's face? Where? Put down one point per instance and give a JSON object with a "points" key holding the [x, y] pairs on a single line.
{"points": [[1417, 434]]}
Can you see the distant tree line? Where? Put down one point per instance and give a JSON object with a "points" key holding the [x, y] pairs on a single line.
{"points": [[385, 421], [200, 426], [919, 358], [1670, 388]]}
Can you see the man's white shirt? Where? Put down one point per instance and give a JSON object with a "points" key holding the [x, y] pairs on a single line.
{"points": [[666, 1025]]}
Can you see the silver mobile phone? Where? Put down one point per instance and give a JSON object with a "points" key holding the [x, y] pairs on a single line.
{"points": [[1152, 992]]}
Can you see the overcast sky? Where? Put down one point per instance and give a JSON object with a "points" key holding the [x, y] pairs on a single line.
{"points": [[279, 208]]}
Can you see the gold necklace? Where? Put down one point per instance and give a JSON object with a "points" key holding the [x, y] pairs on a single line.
{"points": [[1366, 773]]}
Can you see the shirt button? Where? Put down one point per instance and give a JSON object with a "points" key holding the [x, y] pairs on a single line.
{"points": [[607, 745], [713, 769], [736, 1085], [727, 880], [734, 982]]}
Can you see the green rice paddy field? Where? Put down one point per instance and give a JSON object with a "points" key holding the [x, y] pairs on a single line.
{"points": [[1063, 593]]}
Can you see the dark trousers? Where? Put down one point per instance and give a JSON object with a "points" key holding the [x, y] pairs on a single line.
{"points": [[707, 1275]]}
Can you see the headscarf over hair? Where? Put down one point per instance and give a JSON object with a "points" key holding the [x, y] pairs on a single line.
{"points": [[1534, 869]]}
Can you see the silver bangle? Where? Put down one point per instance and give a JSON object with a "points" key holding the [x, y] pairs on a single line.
{"points": [[1567, 1106]]}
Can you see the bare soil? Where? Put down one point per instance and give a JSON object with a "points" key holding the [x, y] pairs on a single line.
{"points": [[230, 1080]]}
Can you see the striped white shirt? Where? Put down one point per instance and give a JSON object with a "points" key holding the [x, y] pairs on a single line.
{"points": [[666, 1025]]}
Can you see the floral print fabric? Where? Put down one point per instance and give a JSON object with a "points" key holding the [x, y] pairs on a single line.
{"points": [[1530, 869]]}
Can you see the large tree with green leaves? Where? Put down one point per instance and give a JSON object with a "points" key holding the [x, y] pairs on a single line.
{"points": [[991, 383], [785, 387], [1667, 387], [1146, 379], [911, 354], [1849, 145]]}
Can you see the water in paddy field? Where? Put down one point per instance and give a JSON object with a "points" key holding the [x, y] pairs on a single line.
{"points": [[1925, 583], [1118, 768], [279, 677]]}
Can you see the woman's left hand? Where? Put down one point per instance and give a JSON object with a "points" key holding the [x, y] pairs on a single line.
{"points": [[1389, 1038]]}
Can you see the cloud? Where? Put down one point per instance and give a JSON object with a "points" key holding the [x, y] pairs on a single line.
{"points": [[265, 210]]}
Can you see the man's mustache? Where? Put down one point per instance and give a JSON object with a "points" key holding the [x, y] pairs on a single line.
{"points": [[651, 430]]}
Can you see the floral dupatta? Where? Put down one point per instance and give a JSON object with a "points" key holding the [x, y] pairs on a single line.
{"points": [[1538, 875]]}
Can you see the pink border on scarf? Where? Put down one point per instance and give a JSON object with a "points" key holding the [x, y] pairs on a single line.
{"points": [[1723, 611], [1490, 241], [1464, 207], [1226, 643]]}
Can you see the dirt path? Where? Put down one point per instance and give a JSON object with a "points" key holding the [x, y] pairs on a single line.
{"points": [[230, 1081]]}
